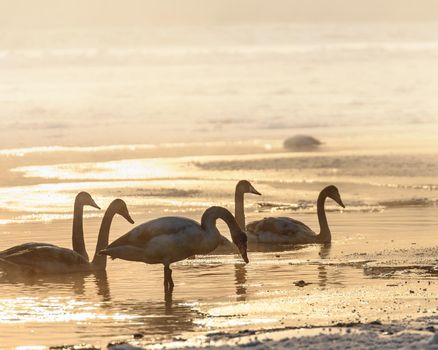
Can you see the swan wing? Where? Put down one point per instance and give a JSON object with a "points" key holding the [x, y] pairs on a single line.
{"points": [[164, 240], [24, 247], [141, 235]]}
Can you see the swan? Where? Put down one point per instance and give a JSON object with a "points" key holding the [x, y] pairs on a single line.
{"points": [[82, 199], [288, 230], [169, 239], [53, 259], [242, 187]]}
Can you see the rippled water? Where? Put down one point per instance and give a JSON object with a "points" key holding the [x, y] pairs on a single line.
{"points": [[390, 221]]}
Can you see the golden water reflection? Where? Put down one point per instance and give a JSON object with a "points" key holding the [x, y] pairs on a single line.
{"points": [[114, 170]]}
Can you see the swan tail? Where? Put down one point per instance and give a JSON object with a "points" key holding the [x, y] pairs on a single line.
{"points": [[10, 267], [104, 252], [125, 252]]}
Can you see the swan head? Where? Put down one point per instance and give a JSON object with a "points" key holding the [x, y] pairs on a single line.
{"points": [[245, 186], [333, 193], [84, 198], [119, 207], [240, 240]]}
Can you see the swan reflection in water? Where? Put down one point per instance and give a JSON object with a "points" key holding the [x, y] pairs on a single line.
{"points": [[82, 298], [75, 282], [324, 253], [240, 281]]}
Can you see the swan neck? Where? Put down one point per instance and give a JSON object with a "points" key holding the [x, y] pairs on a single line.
{"points": [[239, 210], [210, 216], [78, 242], [324, 235], [99, 261]]}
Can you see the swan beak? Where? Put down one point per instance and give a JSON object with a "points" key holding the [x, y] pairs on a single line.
{"points": [[254, 191], [93, 204], [341, 203], [243, 253], [128, 218]]}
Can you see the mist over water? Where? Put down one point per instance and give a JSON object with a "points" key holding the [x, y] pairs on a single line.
{"points": [[188, 83]]}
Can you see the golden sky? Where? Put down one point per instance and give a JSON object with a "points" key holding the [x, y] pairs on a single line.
{"points": [[67, 13]]}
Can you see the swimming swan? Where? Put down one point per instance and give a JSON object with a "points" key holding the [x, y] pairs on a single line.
{"points": [[82, 199], [53, 259], [288, 230], [169, 239], [242, 187]]}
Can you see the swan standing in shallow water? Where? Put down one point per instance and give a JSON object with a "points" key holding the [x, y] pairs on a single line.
{"points": [[82, 199], [288, 230], [54, 259], [169, 239]]}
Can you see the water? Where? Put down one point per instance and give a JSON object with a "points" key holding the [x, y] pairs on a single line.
{"points": [[220, 293], [171, 125], [94, 87]]}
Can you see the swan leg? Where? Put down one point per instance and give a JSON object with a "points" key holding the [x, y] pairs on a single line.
{"points": [[171, 284], [168, 282], [165, 277]]}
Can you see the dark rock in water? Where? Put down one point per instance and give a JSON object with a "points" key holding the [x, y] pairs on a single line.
{"points": [[376, 322], [301, 283], [431, 329], [301, 143]]}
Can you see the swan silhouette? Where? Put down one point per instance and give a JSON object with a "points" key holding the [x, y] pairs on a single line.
{"points": [[242, 187], [170, 239], [52, 259], [82, 199], [288, 230]]}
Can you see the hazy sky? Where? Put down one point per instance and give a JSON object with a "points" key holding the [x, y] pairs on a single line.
{"points": [[22, 13]]}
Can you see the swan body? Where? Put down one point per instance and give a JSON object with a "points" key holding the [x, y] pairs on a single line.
{"points": [[82, 199], [164, 240], [280, 230], [288, 230], [51, 259], [170, 239], [45, 259]]}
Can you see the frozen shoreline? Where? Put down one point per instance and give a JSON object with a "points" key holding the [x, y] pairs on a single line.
{"points": [[342, 336]]}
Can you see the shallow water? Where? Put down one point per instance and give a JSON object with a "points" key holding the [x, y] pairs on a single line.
{"points": [[389, 220]]}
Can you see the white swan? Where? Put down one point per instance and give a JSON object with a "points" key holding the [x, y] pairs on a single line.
{"points": [[169, 239], [82, 199], [288, 230], [53, 259]]}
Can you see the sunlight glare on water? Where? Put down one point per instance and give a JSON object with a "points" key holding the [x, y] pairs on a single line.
{"points": [[120, 170]]}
